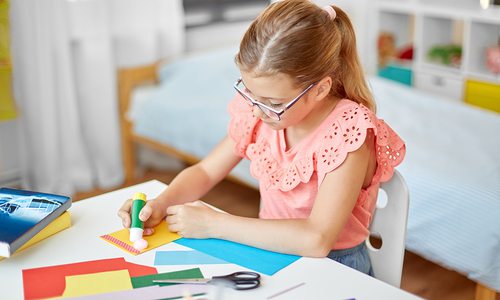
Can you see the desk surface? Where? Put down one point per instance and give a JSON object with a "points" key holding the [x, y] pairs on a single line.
{"points": [[96, 216]]}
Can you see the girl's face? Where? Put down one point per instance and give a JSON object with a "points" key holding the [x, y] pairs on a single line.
{"points": [[276, 91]]}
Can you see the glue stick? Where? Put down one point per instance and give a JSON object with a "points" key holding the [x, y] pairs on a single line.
{"points": [[137, 227]]}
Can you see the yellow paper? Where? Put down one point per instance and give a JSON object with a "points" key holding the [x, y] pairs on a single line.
{"points": [[60, 223], [97, 283], [161, 237]]}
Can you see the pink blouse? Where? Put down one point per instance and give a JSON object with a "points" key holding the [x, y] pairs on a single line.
{"points": [[289, 180]]}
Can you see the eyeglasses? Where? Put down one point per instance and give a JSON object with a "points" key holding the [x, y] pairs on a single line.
{"points": [[268, 111]]}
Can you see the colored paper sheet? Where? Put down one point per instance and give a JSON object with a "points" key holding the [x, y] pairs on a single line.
{"points": [[185, 258], [153, 292], [35, 280], [161, 237], [97, 283], [147, 280], [256, 259]]}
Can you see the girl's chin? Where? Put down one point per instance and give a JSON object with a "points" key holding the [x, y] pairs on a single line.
{"points": [[273, 125]]}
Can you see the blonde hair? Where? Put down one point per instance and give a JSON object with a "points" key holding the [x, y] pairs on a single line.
{"points": [[300, 39]]}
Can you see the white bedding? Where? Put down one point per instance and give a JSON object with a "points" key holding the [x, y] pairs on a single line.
{"points": [[452, 168], [452, 165]]}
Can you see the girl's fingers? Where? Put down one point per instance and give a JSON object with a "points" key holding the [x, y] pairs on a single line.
{"points": [[148, 231], [172, 210], [124, 213], [146, 212], [171, 219], [174, 227]]}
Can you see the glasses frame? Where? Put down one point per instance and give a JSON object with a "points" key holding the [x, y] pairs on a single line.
{"points": [[276, 114]]}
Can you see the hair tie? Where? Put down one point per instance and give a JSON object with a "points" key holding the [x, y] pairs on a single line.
{"points": [[331, 11]]}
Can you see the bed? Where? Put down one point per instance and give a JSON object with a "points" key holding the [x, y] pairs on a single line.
{"points": [[452, 166]]}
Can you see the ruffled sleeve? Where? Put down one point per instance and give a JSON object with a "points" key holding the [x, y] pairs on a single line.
{"points": [[349, 132], [242, 125], [390, 150]]}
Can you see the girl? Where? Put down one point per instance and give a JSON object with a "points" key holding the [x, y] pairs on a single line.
{"points": [[305, 118]]}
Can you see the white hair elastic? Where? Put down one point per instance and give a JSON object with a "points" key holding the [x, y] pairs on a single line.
{"points": [[331, 11]]}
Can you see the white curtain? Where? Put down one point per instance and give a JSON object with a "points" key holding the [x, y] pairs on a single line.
{"points": [[65, 55]]}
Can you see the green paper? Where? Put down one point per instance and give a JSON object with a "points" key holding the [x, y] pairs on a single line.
{"points": [[147, 280]]}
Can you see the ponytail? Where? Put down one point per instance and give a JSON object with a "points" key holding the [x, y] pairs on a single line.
{"points": [[349, 79]]}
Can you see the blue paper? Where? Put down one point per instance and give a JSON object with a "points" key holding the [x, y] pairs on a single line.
{"points": [[256, 259], [185, 258]]}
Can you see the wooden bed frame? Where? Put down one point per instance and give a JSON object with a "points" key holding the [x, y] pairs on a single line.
{"points": [[130, 78]]}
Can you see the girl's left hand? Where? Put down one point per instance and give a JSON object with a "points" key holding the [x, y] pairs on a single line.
{"points": [[192, 220]]}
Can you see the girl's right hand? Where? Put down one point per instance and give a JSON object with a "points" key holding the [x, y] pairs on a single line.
{"points": [[151, 214]]}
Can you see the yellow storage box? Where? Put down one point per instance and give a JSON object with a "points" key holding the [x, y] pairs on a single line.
{"points": [[483, 94]]}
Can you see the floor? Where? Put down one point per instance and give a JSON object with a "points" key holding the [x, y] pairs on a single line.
{"points": [[420, 276]]}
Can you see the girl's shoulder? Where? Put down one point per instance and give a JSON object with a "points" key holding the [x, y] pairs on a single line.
{"points": [[346, 130]]}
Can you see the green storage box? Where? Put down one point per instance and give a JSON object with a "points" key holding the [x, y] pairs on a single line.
{"points": [[397, 73]]}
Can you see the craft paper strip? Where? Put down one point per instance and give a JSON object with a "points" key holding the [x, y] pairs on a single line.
{"points": [[143, 281], [97, 283], [153, 292], [185, 258], [256, 259], [35, 280], [161, 237]]}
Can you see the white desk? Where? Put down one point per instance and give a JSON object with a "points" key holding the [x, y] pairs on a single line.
{"points": [[324, 278]]}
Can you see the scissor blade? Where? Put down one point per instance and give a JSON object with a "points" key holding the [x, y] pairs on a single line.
{"points": [[190, 280]]}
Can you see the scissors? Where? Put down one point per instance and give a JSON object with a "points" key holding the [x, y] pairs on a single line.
{"points": [[242, 280]]}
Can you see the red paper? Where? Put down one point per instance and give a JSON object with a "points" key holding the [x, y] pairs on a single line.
{"points": [[50, 281]]}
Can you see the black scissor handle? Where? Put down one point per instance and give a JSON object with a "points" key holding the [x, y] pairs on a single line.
{"points": [[242, 275], [242, 280], [246, 284]]}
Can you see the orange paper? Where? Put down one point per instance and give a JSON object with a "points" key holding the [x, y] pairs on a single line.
{"points": [[160, 237]]}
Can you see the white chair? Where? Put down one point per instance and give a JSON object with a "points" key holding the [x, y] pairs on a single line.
{"points": [[389, 224]]}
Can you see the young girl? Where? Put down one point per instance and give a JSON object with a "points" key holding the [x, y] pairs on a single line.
{"points": [[305, 118]]}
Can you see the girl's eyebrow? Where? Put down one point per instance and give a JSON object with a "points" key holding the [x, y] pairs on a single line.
{"points": [[265, 98]]}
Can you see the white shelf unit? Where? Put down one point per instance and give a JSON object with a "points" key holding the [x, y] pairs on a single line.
{"points": [[484, 34], [400, 23], [428, 23]]}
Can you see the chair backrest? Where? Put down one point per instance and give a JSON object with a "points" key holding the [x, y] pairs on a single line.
{"points": [[389, 223]]}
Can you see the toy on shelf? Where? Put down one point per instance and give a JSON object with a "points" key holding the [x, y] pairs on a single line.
{"points": [[386, 48], [388, 52], [449, 55], [493, 58]]}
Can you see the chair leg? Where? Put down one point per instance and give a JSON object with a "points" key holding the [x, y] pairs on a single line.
{"points": [[484, 293], [129, 161]]}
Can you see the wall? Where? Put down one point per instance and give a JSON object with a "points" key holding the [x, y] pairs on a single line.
{"points": [[359, 15]]}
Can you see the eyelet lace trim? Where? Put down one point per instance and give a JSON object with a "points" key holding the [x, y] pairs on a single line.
{"points": [[241, 126], [345, 135]]}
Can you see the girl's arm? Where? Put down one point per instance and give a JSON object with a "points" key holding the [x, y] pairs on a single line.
{"points": [[195, 181], [313, 237], [189, 185]]}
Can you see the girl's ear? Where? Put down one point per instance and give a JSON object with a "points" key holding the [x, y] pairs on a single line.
{"points": [[323, 88]]}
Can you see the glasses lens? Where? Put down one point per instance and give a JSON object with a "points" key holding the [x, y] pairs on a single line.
{"points": [[271, 114], [239, 88]]}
